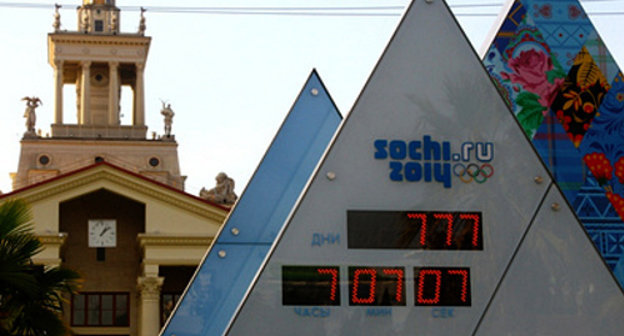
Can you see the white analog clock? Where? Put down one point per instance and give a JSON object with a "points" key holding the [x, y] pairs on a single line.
{"points": [[102, 233]]}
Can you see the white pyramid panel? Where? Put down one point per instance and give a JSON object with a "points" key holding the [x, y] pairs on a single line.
{"points": [[557, 284], [428, 112]]}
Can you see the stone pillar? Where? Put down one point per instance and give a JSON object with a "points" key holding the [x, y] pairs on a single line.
{"points": [[85, 93], [113, 94], [139, 106], [149, 305], [58, 92]]}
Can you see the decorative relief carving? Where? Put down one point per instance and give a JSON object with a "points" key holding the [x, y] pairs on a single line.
{"points": [[149, 287]]}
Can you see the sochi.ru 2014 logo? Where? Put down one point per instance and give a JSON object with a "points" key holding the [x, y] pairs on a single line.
{"points": [[431, 160]]}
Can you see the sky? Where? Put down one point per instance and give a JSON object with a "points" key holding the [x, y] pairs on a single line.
{"points": [[230, 74]]}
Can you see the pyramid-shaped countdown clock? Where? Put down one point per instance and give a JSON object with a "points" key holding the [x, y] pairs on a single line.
{"points": [[225, 274], [431, 214], [566, 91]]}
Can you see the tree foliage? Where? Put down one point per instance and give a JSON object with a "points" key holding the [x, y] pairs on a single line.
{"points": [[31, 298]]}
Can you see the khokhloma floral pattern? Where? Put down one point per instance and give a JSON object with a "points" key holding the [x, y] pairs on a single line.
{"points": [[566, 91]]}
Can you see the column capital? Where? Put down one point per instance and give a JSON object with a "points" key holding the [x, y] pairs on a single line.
{"points": [[140, 66], [149, 287], [58, 63], [113, 64], [86, 64]]}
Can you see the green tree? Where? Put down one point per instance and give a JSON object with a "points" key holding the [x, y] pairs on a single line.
{"points": [[31, 296]]}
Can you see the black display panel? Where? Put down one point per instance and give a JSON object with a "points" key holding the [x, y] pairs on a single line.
{"points": [[423, 230], [310, 286], [376, 286], [442, 286]]}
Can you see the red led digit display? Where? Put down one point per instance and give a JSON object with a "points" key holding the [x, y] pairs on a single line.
{"points": [[425, 230], [310, 286], [442, 286], [376, 286], [433, 278]]}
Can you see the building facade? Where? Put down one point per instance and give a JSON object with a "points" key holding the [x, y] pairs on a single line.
{"points": [[107, 201]]}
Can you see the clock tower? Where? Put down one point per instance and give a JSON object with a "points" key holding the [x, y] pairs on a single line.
{"points": [[107, 201], [98, 59]]}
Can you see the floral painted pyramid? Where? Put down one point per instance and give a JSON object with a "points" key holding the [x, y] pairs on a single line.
{"points": [[556, 74]]}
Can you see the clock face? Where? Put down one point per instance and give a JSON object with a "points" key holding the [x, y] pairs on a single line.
{"points": [[102, 233]]}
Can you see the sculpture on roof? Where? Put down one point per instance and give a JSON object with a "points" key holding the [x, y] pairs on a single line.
{"points": [[31, 117], [222, 193], [167, 112], [114, 21], [84, 21], [142, 22], [57, 18]]}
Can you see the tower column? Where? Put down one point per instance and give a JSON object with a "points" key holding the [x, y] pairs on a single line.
{"points": [[85, 93], [58, 92], [139, 104], [113, 94]]}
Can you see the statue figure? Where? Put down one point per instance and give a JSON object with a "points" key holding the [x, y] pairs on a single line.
{"points": [[222, 193], [142, 22], [113, 22], [167, 112], [57, 18], [85, 21], [31, 118]]}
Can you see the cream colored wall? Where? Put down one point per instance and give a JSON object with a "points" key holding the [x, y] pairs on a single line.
{"points": [[162, 218], [164, 255], [69, 155]]}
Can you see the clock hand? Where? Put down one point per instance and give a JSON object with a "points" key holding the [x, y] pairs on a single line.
{"points": [[103, 231]]}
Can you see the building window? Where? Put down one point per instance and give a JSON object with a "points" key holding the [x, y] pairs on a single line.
{"points": [[167, 303], [99, 25], [100, 309], [154, 162], [43, 159]]}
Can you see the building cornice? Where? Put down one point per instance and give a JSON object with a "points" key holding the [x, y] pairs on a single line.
{"points": [[52, 239], [146, 239], [81, 38], [98, 142]]}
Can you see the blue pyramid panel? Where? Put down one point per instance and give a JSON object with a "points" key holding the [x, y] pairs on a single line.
{"points": [[244, 240]]}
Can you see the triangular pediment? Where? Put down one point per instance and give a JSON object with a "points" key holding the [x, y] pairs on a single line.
{"points": [[156, 196]]}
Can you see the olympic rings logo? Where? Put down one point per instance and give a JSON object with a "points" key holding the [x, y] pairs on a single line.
{"points": [[472, 172]]}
